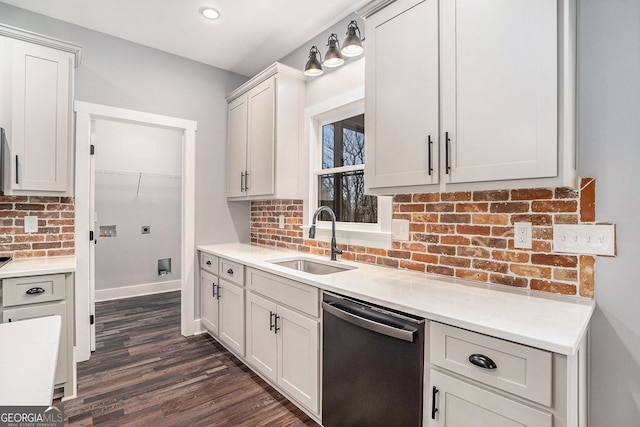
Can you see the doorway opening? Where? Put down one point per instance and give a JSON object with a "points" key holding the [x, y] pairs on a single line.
{"points": [[94, 124]]}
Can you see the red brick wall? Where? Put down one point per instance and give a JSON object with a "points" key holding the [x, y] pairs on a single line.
{"points": [[463, 234], [56, 226]]}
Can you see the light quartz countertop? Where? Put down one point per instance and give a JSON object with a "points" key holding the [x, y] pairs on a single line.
{"points": [[551, 322], [28, 361], [36, 266]]}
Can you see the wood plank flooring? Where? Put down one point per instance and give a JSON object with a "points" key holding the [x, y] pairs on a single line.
{"points": [[145, 373]]}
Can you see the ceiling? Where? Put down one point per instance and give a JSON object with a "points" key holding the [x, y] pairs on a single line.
{"points": [[249, 35]]}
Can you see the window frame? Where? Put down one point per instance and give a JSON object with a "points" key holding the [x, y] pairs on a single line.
{"points": [[353, 233]]}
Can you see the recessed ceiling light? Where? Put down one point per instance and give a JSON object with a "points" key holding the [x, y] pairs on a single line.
{"points": [[210, 13]]}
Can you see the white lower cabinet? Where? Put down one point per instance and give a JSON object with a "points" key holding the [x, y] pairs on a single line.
{"points": [[209, 302], [231, 315], [33, 297], [461, 404], [482, 381], [222, 310], [43, 310], [283, 345]]}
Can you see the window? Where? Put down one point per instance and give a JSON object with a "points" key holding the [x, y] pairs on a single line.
{"points": [[340, 181], [337, 174]]}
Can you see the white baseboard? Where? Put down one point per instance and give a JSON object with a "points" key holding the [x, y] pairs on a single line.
{"points": [[137, 290]]}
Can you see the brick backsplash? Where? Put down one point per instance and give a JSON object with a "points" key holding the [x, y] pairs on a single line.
{"points": [[463, 234], [56, 226]]}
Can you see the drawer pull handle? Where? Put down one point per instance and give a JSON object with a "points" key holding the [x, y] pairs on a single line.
{"points": [[230, 272], [35, 291], [209, 262], [482, 361]]}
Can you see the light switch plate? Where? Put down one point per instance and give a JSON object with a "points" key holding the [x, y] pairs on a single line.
{"points": [[588, 239], [400, 229], [30, 224], [281, 221]]}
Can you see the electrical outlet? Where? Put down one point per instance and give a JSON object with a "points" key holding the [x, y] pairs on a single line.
{"points": [[522, 235], [400, 229], [30, 224], [281, 221]]}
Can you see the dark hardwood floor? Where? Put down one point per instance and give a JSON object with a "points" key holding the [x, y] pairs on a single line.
{"points": [[145, 373]]}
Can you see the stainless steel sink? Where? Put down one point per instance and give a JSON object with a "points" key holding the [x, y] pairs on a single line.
{"points": [[312, 266]]}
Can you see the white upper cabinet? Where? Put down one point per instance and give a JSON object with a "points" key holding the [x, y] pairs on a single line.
{"points": [[499, 89], [402, 95], [236, 146], [261, 142], [37, 97], [491, 83], [264, 150]]}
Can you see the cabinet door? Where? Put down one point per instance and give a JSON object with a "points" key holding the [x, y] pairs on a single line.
{"points": [[39, 136], [261, 339], [298, 357], [460, 404], [232, 316], [261, 146], [402, 95], [499, 89], [236, 146], [209, 302], [42, 310]]}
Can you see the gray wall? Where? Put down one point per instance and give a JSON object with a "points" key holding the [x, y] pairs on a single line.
{"points": [[122, 74], [609, 132], [127, 200]]}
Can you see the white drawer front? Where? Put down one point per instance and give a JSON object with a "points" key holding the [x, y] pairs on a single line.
{"points": [[209, 262], [33, 289], [289, 292], [231, 271], [521, 370]]}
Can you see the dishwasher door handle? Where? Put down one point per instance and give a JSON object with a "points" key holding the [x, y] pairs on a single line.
{"points": [[381, 328]]}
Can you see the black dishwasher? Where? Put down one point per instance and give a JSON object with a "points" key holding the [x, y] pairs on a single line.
{"points": [[372, 365]]}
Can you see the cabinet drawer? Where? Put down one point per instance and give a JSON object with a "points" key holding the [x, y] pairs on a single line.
{"points": [[289, 292], [33, 289], [231, 271], [209, 262], [521, 370]]}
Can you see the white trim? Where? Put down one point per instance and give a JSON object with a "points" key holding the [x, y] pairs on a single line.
{"points": [[42, 40], [137, 290], [376, 235], [85, 114]]}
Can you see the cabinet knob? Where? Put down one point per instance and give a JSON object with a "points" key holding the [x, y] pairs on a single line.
{"points": [[35, 291], [209, 262], [482, 361], [230, 272]]}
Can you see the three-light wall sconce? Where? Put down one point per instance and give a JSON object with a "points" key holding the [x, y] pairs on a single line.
{"points": [[334, 57]]}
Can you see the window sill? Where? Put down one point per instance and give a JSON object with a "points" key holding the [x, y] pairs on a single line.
{"points": [[349, 236]]}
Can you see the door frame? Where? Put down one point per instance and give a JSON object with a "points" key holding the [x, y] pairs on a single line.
{"points": [[86, 114]]}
